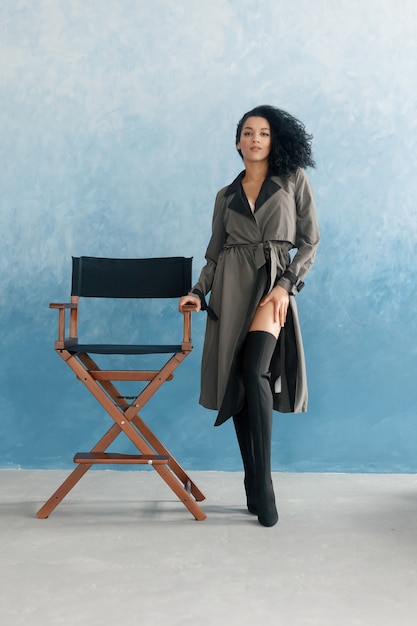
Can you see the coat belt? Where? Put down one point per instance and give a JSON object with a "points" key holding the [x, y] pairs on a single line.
{"points": [[265, 254]]}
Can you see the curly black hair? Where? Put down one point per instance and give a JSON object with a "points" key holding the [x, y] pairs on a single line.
{"points": [[290, 143]]}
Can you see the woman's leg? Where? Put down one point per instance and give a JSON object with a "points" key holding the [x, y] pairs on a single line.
{"points": [[264, 320], [258, 350]]}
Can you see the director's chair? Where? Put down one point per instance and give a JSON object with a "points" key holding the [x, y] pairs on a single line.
{"points": [[125, 278]]}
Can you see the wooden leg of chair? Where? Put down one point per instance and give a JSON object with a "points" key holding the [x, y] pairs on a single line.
{"points": [[143, 437], [77, 474], [62, 491], [81, 469], [181, 492], [144, 429], [185, 479], [124, 421]]}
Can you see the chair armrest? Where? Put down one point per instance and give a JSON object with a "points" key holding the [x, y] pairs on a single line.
{"points": [[63, 341], [186, 312]]}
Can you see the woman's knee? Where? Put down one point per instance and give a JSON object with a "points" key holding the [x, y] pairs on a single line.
{"points": [[257, 353]]}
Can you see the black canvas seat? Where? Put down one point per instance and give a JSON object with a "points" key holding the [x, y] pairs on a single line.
{"points": [[127, 279]]}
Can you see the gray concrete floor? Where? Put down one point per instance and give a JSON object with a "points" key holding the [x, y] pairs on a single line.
{"points": [[121, 549]]}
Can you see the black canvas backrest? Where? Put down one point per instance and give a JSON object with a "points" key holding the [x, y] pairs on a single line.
{"points": [[168, 277]]}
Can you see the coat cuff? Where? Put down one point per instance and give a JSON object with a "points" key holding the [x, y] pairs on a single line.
{"points": [[290, 282], [285, 283], [204, 305]]}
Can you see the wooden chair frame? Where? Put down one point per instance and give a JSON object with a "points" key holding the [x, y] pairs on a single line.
{"points": [[124, 413]]}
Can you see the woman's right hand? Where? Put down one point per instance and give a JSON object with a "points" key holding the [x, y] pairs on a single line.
{"points": [[189, 299]]}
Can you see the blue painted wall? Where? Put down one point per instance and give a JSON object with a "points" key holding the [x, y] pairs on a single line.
{"points": [[117, 124]]}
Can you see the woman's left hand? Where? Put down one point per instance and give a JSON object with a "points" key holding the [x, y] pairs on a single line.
{"points": [[281, 300]]}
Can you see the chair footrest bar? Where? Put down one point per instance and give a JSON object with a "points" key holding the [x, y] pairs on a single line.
{"points": [[116, 458]]}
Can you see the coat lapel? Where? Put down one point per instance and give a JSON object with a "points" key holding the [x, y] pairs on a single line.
{"points": [[268, 189], [239, 202]]}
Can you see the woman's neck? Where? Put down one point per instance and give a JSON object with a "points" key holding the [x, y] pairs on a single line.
{"points": [[255, 172]]}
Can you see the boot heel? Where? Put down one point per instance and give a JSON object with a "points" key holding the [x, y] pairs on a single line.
{"points": [[250, 490]]}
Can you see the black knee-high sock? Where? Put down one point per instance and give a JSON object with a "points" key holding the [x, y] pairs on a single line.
{"points": [[258, 350], [244, 438]]}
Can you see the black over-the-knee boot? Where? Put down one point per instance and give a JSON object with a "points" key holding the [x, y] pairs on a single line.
{"points": [[258, 350], [244, 438]]}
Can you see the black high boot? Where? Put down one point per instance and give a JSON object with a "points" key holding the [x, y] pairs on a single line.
{"points": [[258, 350], [244, 439]]}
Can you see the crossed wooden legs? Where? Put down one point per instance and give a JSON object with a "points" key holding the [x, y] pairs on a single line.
{"points": [[127, 419]]}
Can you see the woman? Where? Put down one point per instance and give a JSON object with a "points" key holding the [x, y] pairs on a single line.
{"points": [[253, 359]]}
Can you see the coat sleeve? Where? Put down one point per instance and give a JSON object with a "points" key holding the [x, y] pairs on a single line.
{"points": [[307, 234], [215, 246]]}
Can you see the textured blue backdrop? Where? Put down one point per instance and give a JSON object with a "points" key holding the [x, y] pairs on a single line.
{"points": [[117, 124]]}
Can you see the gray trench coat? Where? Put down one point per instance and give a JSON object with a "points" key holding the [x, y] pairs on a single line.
{"points": [[248, 254]]}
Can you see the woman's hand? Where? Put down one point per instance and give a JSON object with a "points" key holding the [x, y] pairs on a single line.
{"points": [[281, 300], [193, 300]]}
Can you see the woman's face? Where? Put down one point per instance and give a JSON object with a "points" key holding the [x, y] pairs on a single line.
{"points": [[255, 139]]}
